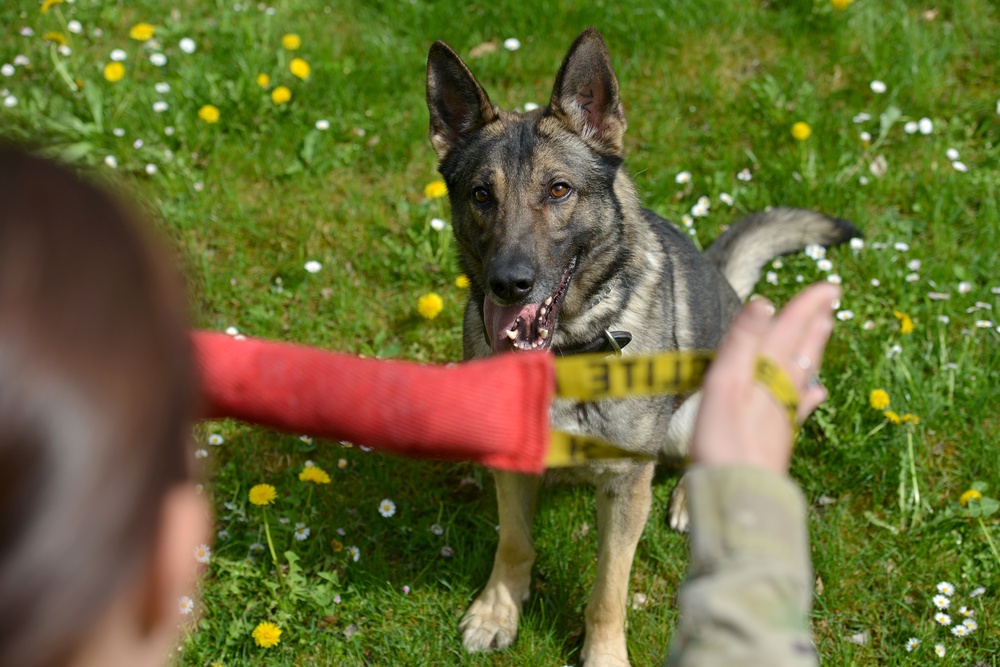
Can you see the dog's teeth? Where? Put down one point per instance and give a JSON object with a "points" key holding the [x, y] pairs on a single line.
{"points": [[548, 301], [542, 311], [534, 345], [544, 333], [511, 334]]}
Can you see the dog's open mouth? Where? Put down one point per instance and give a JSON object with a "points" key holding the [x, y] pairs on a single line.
{"points": [[529, 326]]}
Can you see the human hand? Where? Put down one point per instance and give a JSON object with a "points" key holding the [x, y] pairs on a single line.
{"points": [[739, 421]]}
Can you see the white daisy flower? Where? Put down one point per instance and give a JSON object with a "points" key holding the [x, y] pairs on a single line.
{"points": [[202, 553], [901, 246], [863, 180], [824, 265], [512, 43], [160, 106], [301, 532], [771, 277], [308, 440], [312, 266], [844, 315], [912, 277], [74, 27], [10, 101], [857, 244], [687, 220], [959, 166], [942, 618], [232, 331], [744, 175], [952, 154], [699, 211], [945, 588], [437, 224], [437, 529], [169, 130], [186, 605], [925, 125], [529, 106], [284, 520], [158, 59], [111, 161], [984, 324], [878, 87], [683, 177], [162, 87], [939, 649], [26, 31], [151, 169], [777, 264], [118, 55], [959, 630], [187, 45], [944, 319], [341, 463], [865, 137], [938, 296], [201, 453], [7, 69], [834, 278], [322, 125], [911, 127], [862, 117], [386, 508], [64, 51], [914, 265], [869, 325], [726, 198], [447, 551], [970, 624], [964, 287], [256, 547], [941, 601], [21, 60], [977, 592], [815, 251], [355, 553], [215, 440], [911, 644]]}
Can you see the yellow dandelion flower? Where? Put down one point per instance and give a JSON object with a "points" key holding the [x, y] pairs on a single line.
{"points": [[435, 190], [56, 37], [141, 32], [291, 42], [209, 113], [299, 68], [263, 494], [114, 72], [263, 80], [879, 399], [47, 5], [430, 305], [893, 417], [281, 94], [801, 131], [840, 5], [969, 495], [905, 323], [266, 634], [462, 282], [314, 474], [909, 418], [337, 546]]}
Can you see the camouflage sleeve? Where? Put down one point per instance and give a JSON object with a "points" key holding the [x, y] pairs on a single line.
{"points": [[748, 591]]}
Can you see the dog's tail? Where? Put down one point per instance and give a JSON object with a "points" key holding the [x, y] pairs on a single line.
{"points": [[741, 251]]}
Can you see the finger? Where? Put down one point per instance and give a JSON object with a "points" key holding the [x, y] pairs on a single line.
{"points": [[740, 345], [791, 327], [810, 399]]}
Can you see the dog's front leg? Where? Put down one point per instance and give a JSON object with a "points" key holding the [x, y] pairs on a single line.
{"points": [[622, 510], [491, 621]]}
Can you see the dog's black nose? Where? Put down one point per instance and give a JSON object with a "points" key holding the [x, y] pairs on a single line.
{"points": [[511, 282]]}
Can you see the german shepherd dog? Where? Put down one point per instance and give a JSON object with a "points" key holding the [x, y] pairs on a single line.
{"points": [[561, 256]]}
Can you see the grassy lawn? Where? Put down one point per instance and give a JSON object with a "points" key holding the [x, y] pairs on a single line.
{"points": [[336, 175]]}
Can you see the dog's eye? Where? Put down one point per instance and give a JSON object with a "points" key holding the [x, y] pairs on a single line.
{"points": [[482, 195], [560, 190]]}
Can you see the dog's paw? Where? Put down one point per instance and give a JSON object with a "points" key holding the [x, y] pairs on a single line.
{"points": [[678, 512], [490, 624]]}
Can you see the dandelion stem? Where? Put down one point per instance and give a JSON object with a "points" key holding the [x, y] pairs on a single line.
{"points": [[989, 540], [913, 475], [270, 545]]}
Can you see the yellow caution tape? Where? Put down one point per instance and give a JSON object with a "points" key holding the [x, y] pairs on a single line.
{"points": [[780, 386], [592, 377], [567, 450]]}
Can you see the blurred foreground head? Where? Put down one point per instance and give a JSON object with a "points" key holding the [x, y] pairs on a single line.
{"points": [[96, 403]]}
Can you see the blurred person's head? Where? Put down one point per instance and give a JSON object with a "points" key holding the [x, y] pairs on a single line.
{"points": [[98, 517]]}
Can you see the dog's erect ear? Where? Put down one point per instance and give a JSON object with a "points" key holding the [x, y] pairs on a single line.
{"points": [[457, 103], [585, 96]]}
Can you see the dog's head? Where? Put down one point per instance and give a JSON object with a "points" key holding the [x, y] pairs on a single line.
{"points": [[532, 195]]}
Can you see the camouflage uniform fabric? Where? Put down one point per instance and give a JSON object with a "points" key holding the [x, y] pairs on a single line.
{"points": [[748, 591]]}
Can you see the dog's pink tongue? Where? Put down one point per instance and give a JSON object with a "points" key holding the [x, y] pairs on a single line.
{"points": [[500, 319]]}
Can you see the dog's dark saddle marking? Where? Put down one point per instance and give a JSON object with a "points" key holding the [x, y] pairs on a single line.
{"points": [[607, 342]]}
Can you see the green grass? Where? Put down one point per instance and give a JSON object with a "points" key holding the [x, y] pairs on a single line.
{"points": [[709, 87]]}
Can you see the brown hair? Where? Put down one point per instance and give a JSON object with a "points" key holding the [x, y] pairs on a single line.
{"points": [[96, 400]]}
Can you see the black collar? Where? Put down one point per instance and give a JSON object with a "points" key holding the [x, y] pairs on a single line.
{"points": [[607, 342]]}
